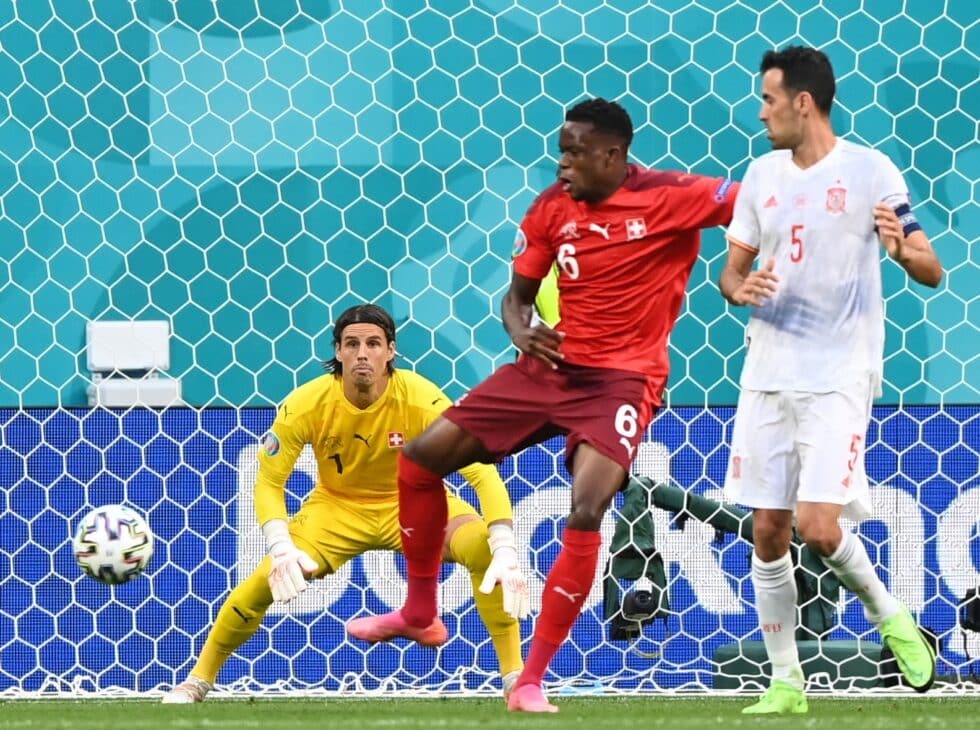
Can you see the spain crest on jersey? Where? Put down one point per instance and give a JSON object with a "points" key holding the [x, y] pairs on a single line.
{"points": [[836, 200]]}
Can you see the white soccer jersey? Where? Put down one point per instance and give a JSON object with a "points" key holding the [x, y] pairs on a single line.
{"points": [[824, 328]]}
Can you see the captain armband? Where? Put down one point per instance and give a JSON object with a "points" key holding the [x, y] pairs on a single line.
{"points": [[907, 218]]}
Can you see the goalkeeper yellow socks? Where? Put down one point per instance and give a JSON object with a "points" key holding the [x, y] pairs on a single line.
{"points": [[237, 620], [469, 548]]}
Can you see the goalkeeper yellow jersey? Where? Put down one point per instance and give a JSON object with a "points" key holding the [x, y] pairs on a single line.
{"points": [[546, 301], [356, 449]]}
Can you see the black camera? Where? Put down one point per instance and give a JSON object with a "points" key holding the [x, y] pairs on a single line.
{"points": [[642, 602], [970, 610]]}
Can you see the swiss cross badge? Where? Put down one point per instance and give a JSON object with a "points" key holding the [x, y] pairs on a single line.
{"points": [[635, 228], [836, 200], [395, 440]]}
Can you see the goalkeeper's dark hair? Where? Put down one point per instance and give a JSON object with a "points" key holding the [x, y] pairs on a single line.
{"points": [[361, 314], [605, 116], [804, 69]]}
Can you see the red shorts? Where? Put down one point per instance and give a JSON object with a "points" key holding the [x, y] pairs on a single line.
{"points": [[527, 402]]}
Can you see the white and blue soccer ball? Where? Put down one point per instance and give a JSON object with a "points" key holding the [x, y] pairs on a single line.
{"points": [[113, 544]]}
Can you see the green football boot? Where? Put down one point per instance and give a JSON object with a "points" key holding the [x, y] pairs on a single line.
{"points": [[913, 653], [782, 698]]}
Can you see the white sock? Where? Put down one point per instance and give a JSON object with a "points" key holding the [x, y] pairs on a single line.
{"points": [[775, 601], [852, 565]]}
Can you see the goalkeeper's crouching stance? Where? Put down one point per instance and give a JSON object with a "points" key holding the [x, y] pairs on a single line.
{"points": [[357, 418]]}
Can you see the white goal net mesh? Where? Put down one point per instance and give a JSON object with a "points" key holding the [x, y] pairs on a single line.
{"points": [[246, 169]]}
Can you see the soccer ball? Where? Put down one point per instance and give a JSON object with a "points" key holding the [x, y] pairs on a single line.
{"points": [[113, 544]]}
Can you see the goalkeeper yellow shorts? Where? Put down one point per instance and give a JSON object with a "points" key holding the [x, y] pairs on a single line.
{"points": [[339, 528]]}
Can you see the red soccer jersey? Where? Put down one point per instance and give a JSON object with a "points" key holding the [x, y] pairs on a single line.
{"points": [[624, 263]]}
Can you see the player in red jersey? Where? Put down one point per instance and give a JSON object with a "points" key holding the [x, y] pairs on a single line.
{"points": [[625, 239]]}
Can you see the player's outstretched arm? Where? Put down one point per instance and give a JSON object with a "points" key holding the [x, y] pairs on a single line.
{"points": [[913, 252], [539, 341], [280, 450], [504, 566], [505, 569]]}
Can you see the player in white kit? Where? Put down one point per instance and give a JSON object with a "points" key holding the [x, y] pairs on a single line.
{"points": [[814, 212]]}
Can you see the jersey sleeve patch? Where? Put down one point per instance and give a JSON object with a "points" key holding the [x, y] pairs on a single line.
{"points": [[520, 244], [722, 190], [270, 444]]}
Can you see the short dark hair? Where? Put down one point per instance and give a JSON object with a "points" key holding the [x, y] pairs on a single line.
{"points": [[605, 116], [804, 69], [358, 314]]}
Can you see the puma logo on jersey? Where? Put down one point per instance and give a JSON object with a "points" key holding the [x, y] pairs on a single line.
{"points": [[358, 437], [406, 531], [601, 230], [573, 597]]}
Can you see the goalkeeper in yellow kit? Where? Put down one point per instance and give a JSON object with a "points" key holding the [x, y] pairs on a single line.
{"points": [[357, 418]]}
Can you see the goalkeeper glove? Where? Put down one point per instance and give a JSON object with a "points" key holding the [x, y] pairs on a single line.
{"points": [[505, 570], [290, 565]]}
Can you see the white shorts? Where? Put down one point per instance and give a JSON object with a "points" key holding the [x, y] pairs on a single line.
{"points": [[790, 447]]}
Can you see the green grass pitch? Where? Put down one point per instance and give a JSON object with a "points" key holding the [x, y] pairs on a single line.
{"points": [[586, 713]]}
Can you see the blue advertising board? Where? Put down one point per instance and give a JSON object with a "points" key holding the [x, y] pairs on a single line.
{"points": [[191, 471]]}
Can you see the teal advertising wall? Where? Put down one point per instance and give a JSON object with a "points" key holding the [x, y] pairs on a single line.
{"points": [[248, 170]]}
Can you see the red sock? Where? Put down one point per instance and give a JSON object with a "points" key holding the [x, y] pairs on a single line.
{"points": [[565, 591], [422, 514]]}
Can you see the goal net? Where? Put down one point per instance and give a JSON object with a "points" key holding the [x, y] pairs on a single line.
{"points": [[245, 171]]}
